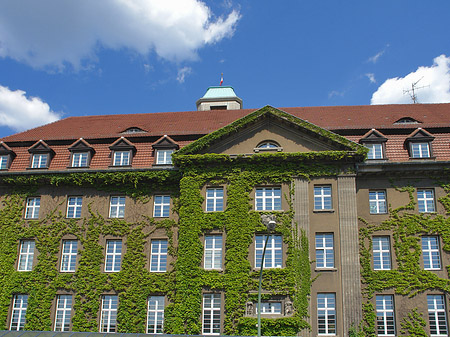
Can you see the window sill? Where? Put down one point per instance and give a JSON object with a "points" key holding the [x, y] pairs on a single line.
{"points": [[422, 158], [37, 168], [331, 210], [378, 213], [325, 270]]}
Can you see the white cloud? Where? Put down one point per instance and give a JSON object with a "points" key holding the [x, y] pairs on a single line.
{"points": [[376, 57], [335, 93], [371, 77], [54, 33], [182, 73], [435, 81], [22, 113]]}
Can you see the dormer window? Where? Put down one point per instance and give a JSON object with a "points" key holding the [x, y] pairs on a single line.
{"points": [[40, 160], [419, 144], [133, 130], [406, 120], [164, 157], [268, 145], [375, 141], [41, 154], [375, 151], [420, 150], [80, 159], [164, 148], [121, 158], [6, 156], [4, 159], [122, 152], [82, 153]]}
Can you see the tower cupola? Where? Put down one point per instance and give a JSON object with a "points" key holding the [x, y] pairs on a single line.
{"points": [[219, 98]]}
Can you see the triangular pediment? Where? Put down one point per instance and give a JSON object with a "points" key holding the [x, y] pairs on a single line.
{"points": [[122, 144], [420, 134], [269, 129], [81, 145], [40, 147], [165, 142], [373, 136], [5, 149]]}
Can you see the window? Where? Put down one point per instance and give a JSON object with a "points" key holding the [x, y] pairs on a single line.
{"points": [[377, 202], [324, 250], [420, 150], [270, 308], [113, 258], [437, 315], [268, 199], [19, 310], [121, 158], [80, 159], [381, 253], [211, 314], [117, 207], [322, 197], [74, 205], [63, 312], [39, 160], [326, 314], [164, 157], [425, 200], [26, 255], [274, 251], [4, 159], [214, 199], [158, 256], [375, 150], [430, 252], [213, 252], [32, 208], [268, 145], [155, 314], [69, 255], [385, 315], [108, 321], [161, 207]]}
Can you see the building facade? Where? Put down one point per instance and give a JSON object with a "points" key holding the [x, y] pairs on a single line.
{"points": [[154, 223]]}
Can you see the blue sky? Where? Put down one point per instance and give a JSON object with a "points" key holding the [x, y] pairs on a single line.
{"points": [[61, 59]]}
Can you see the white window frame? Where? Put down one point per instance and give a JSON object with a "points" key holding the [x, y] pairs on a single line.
{"points": [[80, 159], [375, 150], [74, 206], [268, 199], [69, 256], [4, 161], [420, 150], [39, 160], [326, 312], [213, 251], [108, 319], [425, 203], [385, 315], [161, 206], [274, 251], [32, 208], [117, 207], [211, 314], [113, 256], [431, 252], [19, 312], [158, 255], [323, 194], [214, 199], [270, 308], [164, 157], [26, 255], [437, 315], [380, 253], [155, 314], [324, 250], [377, 202], [63, 313], [122, 158]]}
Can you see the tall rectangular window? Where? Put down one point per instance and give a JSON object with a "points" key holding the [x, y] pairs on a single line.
{"points": [[158, 256], [326, 313], [108, 320], [63, 312], [121, 158], [211, 314], [377, 202], [4, 161], [74, 205], [19, 311], [213, 252], [324, 250], [437, 315], [322, 197], [117, 207], [155, 314], [375, 150], [164, 157], [80, 159], [32, 208], [69, 256], [268, 199], [39, 160], [214, 199], [385, 315], [274, 251], [381, 253], [26, 255], [430, 252], [161, 206], [425, 200], [420, 150], [113, 258]]}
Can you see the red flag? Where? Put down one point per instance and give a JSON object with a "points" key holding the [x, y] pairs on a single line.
{"points": [[221, 79]]}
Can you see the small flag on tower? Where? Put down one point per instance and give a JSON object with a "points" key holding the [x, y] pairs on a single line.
{"points": [[221, 79]]}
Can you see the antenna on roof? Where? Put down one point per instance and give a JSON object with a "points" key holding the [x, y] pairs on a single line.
{"points": [[221, 79], [412, 92]]}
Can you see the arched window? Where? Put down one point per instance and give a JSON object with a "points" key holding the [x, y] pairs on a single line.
{"points": [[268, 145]]}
